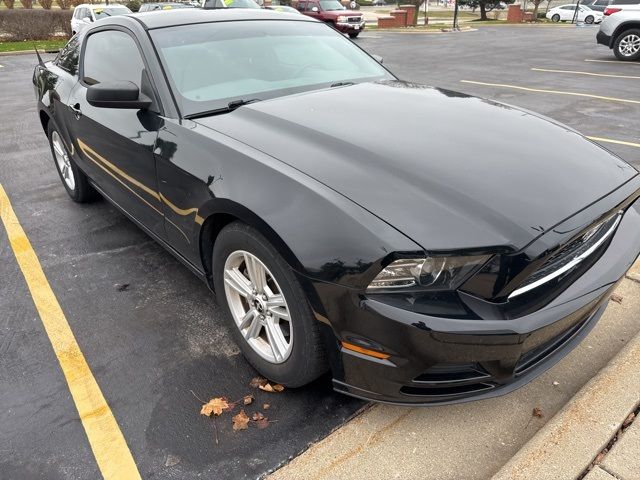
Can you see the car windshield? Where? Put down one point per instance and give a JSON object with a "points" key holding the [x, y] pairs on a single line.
{"points": [[331, 5], [110, 12], [241, 4], [212, 64]]}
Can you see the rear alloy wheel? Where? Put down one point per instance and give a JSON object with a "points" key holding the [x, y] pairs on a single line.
{"points": [[74, 181], [267, 309], [555, 18], [627, 45], [589, 19]]}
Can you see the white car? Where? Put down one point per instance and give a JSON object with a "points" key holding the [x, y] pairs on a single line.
{"points": [[620, 29], [84, 15], [565, 13]]}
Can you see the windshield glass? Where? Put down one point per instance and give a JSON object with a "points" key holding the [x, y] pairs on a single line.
{"points": [[331, 5], [110, 12], [212, 64]]}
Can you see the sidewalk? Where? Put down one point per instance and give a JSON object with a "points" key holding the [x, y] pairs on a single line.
{"points": [[583, 401]]}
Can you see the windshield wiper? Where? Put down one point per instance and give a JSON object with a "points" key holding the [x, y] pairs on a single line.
{"points": [[342, 84], [231, 106]]}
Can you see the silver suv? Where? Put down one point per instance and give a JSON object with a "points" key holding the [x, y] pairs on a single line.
{"points": [[620, 29]]}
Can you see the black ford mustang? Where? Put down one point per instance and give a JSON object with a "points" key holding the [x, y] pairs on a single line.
{"points": [[336, 211]]}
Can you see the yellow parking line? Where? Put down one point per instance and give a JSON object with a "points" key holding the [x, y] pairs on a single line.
{"points": [[556, 92], [619, 62], [619, 142], [610, 75], [107, 442]]}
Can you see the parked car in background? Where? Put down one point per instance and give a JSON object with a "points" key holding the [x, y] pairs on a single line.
{"points": [[597, 5], [335, 14], [379, 3], [150, 7], [620, 29], [216, 4], [566, 13], [85, 14], [282, 8]]}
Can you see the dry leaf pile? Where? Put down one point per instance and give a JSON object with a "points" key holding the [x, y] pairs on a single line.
{"points": [[241, 421]]}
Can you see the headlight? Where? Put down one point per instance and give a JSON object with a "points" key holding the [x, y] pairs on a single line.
{"points": [[342, 19], [432, 273]]}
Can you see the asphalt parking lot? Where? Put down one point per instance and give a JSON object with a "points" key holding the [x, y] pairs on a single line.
{"points": [[150, 344]]}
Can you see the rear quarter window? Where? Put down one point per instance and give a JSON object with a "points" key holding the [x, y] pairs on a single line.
{"points": [[625, 2]]}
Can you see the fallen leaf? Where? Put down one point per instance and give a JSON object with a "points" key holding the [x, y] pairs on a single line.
{"points": [[616, 298], [555, 384], [262, 423], [240, 421], [267, 387], [629, 420], [257, 382], [214, 406], [122, 287], [537, 412], [171, 460], [266, 406], [600, 457], [248, 399], [257, 416]]}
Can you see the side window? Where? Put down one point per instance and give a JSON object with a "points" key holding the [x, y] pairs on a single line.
{"points": [[302, 6], [68, 56], [112, 56]]}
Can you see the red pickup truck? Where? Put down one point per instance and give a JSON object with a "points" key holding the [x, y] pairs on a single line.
{"points": [[332, 12]]}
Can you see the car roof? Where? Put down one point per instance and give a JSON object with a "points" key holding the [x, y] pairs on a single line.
{"points": [[187, 16], [100, 5]]}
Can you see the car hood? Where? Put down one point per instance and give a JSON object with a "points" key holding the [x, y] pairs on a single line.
{"points": [[450, 171]]}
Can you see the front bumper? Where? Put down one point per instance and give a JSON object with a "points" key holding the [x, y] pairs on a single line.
{"points": [[440, 360], [345, 27]]}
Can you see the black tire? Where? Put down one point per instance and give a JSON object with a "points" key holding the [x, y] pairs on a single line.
{"points": [[589, 19], [82, 192], [307, 360], [634, 32], [555, 18], [354, 34]]}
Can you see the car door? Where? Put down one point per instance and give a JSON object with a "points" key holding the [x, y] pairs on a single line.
{"points": [[114, 146]]}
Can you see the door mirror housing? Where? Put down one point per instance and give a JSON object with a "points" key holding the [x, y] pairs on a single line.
{"points": [[86, 20], [117, 95], [315, 9]]}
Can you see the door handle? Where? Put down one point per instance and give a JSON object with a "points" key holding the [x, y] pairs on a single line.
{"points": [[76, 110]]}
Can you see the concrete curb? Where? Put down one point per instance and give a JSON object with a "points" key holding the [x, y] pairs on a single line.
{"points": [[569, 442]]}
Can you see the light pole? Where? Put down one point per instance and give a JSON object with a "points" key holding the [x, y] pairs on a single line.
{"points": [[456, 27]]}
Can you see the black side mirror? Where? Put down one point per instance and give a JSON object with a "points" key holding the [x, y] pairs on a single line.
{"points": [[117, 95]]}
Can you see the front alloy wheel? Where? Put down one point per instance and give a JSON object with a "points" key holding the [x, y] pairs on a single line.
{"points": [[258, 306], [266, 307]]}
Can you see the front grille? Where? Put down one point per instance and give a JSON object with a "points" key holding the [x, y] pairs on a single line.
{"points": [[354, 19], [570, 255]]}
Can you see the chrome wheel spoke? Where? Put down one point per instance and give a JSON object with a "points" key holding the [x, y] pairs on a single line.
{"points": [[238, 282], [247, 319], [256, 272], [254, 328], [277, 342]]}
